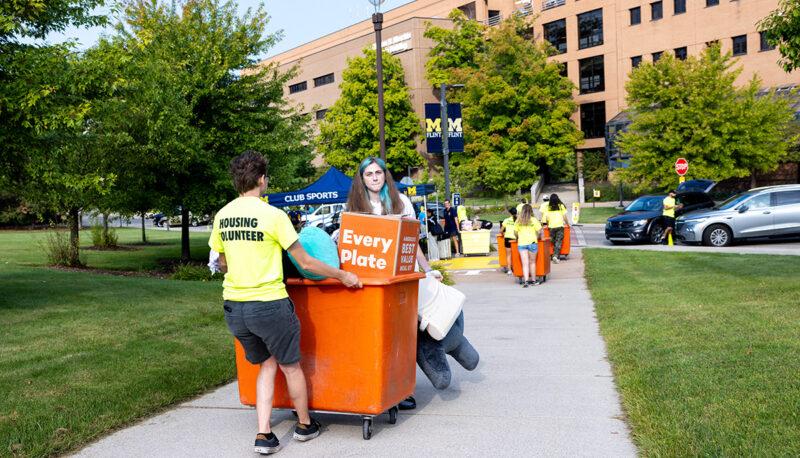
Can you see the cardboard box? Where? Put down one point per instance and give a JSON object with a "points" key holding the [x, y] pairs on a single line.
{"points": [[378, 246]]}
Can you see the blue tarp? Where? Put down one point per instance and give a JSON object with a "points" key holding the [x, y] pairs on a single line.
{"points": [[333, 187]]}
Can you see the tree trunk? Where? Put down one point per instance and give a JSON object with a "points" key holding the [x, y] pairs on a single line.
{"points": [[752, 178], [74, 260], [186, 255], [505, 200], [105, 229], [144, 236]]}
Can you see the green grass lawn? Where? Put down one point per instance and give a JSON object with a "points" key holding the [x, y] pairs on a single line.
{"points": [[597, 215], [26, 248], [705, 349], [85, 353]]}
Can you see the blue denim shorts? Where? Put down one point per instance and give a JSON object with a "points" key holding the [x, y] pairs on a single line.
{"points": [[265, 328], [533, 247]]}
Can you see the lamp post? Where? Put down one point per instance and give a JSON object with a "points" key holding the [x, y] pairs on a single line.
{"points": [[377, 21], [445, 137]]}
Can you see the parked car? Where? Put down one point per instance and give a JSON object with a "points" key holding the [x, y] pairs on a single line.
{"points": [[159, 219], [437, 206], [642, 220], [323, 215], [761, 212], [194, 220], [697, 185]]}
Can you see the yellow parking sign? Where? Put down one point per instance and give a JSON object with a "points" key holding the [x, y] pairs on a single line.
{"points": [[596, 193]]}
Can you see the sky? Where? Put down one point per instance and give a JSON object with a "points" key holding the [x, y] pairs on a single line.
{"points": [[301, 20]]}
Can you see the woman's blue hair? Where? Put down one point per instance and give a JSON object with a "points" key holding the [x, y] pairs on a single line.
{"points": [[385, 200]]}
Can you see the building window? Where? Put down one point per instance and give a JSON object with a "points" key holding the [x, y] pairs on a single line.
{"points": [[657, 56], [593, 119], [321, 114], [656, 10], [740, 45], [680, 53], [590, 29], [636, 15], [765, 46], [636, 61], [712, 3], [591, 74], [323, 80], [563, 71], [680, 6], [299, 87], [556, 33]]}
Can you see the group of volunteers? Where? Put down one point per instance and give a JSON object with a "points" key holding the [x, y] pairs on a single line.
{"points": [[258, 310], [522, 226]]}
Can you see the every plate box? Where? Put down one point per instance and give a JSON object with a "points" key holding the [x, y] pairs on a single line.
{"points": [[378, 246]]}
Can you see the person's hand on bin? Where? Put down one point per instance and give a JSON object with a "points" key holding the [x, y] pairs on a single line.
{"points": [[434, 274], [350, 279]]}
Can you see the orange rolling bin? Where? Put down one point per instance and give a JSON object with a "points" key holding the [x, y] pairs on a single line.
{"points": [[358, 347], [565, 244], [501, 250], [542, 262]]}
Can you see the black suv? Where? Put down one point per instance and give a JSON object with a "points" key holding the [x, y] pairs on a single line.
{"points": [[642, 220]]}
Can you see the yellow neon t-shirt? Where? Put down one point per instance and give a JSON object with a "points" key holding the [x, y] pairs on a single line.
{"points": [[554, 219], [252, 233], [527, 234], [508, 225], [669, 201]]}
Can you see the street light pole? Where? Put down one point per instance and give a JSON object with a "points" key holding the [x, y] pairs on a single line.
{"points": [[445, 141], [377, 21]]}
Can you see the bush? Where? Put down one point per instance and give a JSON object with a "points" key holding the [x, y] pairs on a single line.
{"points": [[101, 239], [195, 272], [595, 168], [447, 278], [56, 246]]}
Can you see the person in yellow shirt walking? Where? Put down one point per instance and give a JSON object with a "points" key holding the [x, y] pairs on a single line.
{"points": [[669, 215], [507, 227], [249, 235], [527, 230], [554, 216]]}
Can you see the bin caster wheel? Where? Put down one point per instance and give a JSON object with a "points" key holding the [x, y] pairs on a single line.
{"points": [[393, 415], [367, 428]]}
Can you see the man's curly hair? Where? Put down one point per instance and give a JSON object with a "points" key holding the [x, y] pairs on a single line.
{"points": [[246, 169]]}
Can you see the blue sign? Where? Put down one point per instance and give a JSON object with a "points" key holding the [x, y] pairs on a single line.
{"points": [[433, 127], [456, 199]]}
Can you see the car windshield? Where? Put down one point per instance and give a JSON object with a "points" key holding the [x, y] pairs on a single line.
{"points": [[732, 201], [645, 204]]}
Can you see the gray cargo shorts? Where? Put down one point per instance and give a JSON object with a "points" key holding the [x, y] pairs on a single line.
{"points": [[265, 329]]}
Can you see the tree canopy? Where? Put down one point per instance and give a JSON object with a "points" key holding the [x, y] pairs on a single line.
{"points": [[516, 106], [349, 132], [782, 27], [455, 54], [692, 109]]}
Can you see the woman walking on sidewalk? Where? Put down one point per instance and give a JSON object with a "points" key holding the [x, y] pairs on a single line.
{"points": [[507, 229], [527, 229], [554, 216]]}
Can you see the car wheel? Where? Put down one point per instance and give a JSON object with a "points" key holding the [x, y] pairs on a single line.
{"points": [[656, 233], [616, 242], [194, 223], [717, 235]]}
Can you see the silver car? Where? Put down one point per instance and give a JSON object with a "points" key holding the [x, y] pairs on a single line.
{"points": [[760, 212]]}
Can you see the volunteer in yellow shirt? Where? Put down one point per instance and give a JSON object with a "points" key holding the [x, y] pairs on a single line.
{"points": [[554, 216], [507, 227], [249, 235], [521, 204], [669, 214], [527, 230]]}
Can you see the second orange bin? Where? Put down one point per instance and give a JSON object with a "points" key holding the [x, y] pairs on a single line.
{"points": [[358, 347]]}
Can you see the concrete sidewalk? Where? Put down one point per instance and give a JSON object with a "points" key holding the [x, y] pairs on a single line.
{"points": [[543, 388]]}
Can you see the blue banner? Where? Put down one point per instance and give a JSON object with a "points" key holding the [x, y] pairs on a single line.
{"points": [[433, 127]]}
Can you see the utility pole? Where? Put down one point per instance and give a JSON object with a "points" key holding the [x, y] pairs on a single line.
{"points": [[445, 141], [377, 21]]}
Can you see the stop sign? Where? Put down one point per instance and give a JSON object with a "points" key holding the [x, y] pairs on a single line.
{"points": [[681, 166]]}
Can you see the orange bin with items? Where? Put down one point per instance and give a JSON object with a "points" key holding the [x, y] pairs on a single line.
{"points": [[358, 347], [501, 250], [542, 261], [565, 243]]}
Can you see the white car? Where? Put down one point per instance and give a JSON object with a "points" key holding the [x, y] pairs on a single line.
{"points": [[323, 215]]}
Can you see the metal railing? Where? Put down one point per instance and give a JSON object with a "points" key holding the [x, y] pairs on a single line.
{"points": [[548, 4], [494, 20], [526, 10]]}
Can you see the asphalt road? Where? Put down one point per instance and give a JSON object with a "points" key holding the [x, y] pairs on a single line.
{"points": [[136, 223], [593, 235]]}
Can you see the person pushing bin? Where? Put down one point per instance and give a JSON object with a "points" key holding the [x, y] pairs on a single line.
{"points": [[249, 234]]}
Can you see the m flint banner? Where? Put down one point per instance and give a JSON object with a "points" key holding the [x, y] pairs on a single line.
{"points": [[433, 127]]}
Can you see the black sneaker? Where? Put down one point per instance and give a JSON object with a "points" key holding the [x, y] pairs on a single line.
{"points": [[307, 432], [534, 282], [525, 284], [267, 443], [408, 403]]}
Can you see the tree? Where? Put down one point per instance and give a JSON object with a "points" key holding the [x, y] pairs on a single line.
{"points": [[782, 27], [691, 109], [517, 110], [455, 54], [349, 132], [219, 105]]}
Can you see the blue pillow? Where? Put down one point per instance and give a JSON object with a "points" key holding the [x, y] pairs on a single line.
{"points": [[318, 244]]}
